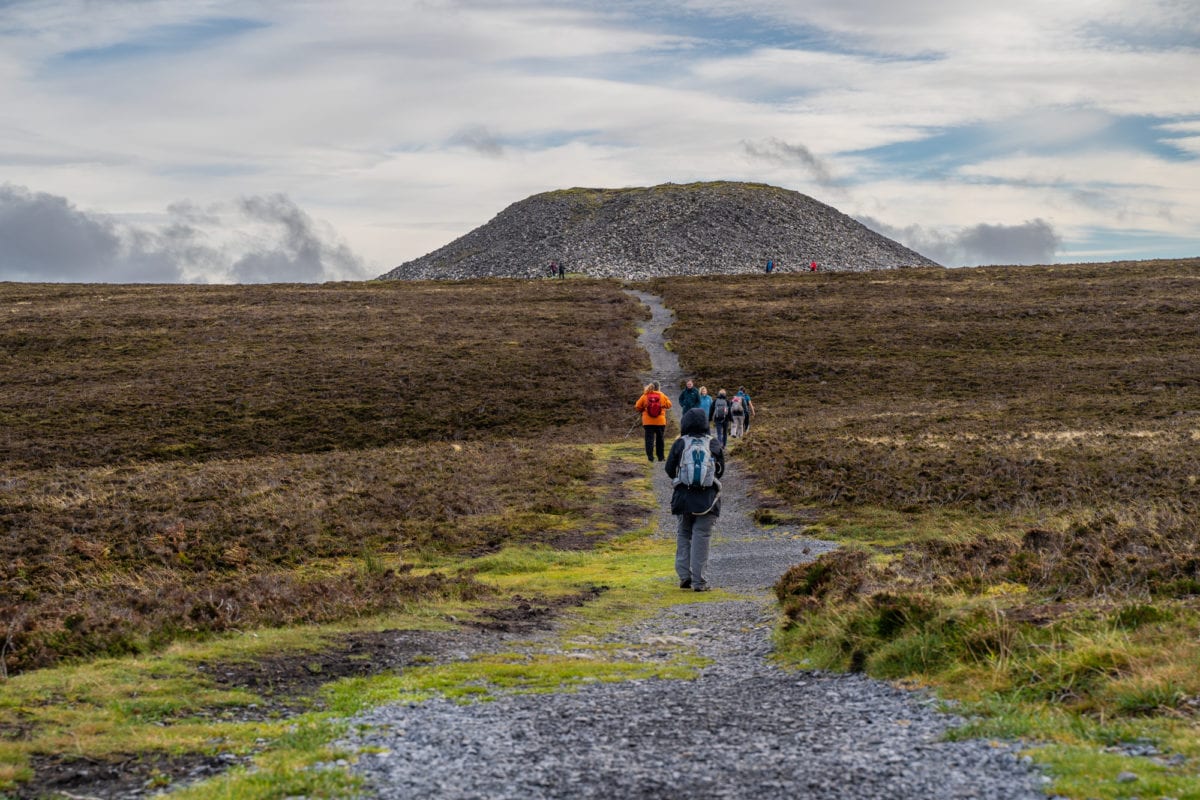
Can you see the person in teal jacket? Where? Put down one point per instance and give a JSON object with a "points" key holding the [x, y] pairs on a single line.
{"points": [[706, 402]]}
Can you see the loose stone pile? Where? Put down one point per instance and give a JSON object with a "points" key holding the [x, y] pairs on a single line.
{"points": [[671, 229]]}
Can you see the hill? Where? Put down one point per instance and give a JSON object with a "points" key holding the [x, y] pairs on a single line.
{"points": [[671, 229]]}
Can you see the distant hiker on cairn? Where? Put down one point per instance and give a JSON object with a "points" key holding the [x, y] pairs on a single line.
{"points": [[706, 402], [689, 398], [653, 404], [696, 461], [718, 415]]}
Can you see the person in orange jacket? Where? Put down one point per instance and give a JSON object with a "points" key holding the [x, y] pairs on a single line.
{"points": [[653, 404]]}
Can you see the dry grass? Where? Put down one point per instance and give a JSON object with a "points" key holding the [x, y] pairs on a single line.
{"points": [[180, 460], [997, 390], [1055, 409], [95, 375]]}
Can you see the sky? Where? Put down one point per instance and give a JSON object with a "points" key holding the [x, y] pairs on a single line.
{"points": [[243, 142]]}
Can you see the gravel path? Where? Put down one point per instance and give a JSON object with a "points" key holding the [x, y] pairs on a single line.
{"points": [[743, 729]]}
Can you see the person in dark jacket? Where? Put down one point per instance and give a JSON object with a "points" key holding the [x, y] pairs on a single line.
{"points": [[697, 507], [689, 398], [718, 415]]}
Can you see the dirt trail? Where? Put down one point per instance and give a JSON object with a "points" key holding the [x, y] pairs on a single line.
{"points": [[744, 556], [743, 729]]}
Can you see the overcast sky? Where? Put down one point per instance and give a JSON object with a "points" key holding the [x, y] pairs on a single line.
{"points": [[164, 140]]}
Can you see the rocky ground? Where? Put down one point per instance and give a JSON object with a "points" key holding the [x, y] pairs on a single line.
{"points": [[635, 234], [744, 728]]}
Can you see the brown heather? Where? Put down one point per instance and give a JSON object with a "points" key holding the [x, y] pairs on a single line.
{"points": [[96, 375], [1001, 389], [180, 460], [1022, 393]]}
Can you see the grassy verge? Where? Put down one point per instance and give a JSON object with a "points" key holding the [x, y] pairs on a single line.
{"points": [[1019, 633], [161, 712]]}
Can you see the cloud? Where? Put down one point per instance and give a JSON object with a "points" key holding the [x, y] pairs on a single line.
{"points": [[1032, 242], [778, 151], [302, 253], [445, 111], [44, 237], [479, 139]]}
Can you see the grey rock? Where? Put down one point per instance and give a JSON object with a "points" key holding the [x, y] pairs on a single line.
{"points": [[670, 229]]}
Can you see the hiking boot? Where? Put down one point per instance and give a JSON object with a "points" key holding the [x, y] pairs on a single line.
{"points": [[704, 588], [685, 584]]}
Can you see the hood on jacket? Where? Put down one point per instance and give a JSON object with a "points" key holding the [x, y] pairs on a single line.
{"points": [[694, 423]]}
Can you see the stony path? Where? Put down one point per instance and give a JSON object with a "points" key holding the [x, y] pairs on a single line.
{"points": [[744, 728]]}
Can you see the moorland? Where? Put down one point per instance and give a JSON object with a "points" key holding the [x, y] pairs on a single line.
{"points": [[1009, 458]]}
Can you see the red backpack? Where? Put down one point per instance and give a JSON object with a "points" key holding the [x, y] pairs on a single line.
{"points": [[654, 404]]}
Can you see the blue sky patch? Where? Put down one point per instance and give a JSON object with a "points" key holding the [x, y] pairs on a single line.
{"points": [[1117, 244], [161, 40], [942, 152]]}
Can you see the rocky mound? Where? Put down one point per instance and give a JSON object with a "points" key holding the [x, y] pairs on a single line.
{"points": [[672, 229]]}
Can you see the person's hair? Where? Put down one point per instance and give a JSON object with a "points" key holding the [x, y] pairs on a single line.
{"points": [[721, 393], [703, 390], [741, 388], [654, 385]]}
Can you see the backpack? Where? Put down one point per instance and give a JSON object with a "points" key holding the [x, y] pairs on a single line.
{"points": [[653, 404], [736, 403], [697, 468], [720, 409]]}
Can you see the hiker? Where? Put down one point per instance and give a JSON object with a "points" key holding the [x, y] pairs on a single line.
{"points": [[562, 271], [689, 398], [747, 406], [812, 267], [737, 416], [719, 416], [770, 265], [553, 269], [696, 462], [653, 404], [706, 402]]}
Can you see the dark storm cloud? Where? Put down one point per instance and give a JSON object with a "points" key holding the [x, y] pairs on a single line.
{"points": [[780, 152], [1031, 242], [44, 237]]}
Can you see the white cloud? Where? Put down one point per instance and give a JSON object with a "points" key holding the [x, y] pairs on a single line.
{"points": [[404, 125]]}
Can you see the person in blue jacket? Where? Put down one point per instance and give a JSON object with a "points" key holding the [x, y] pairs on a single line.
{"points": [[706, 402]]}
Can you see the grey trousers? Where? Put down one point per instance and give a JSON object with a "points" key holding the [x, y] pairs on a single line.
{"points": [[691, 548]]}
